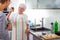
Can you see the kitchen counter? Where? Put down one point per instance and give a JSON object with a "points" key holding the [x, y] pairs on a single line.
{"points": [[37, 35]]}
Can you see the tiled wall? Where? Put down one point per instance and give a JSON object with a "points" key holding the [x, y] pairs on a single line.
{"points": [[53, 15], [48, 15]]}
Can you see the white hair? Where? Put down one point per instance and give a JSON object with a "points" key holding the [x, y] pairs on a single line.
{"points": [[22, 6]]}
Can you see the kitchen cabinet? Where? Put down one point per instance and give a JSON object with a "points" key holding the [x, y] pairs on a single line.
{"points": [[31, 3], [42, 4], [46, 4], [34, 37]]}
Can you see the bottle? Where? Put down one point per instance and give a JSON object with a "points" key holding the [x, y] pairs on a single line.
{"points": [[55, 26], [52, 27]]}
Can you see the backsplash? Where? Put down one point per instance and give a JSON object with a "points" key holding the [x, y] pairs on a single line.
{"points": [[48, 15], [53, 15]]}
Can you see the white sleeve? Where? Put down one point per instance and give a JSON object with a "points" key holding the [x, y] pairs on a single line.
{"points": [[26, 18], [12, 16]]}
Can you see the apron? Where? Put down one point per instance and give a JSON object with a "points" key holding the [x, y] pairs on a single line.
{"points": [[19, 30]]}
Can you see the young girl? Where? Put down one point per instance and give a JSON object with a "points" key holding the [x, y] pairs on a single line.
{"points": [[21, 29], [9, 26]]}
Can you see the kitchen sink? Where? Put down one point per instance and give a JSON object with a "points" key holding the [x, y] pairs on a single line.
{"points": [[40, 29]]}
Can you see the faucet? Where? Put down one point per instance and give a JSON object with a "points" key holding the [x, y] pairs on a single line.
{"points": [[42, 22]]}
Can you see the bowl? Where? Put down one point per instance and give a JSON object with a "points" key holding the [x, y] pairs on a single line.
{"points": [[58, 33]]}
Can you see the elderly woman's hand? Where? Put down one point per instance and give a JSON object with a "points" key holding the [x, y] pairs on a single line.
{"points": [[27, 31]]}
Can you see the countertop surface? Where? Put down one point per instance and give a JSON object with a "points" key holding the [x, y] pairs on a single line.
{"points": [[39, 33]]}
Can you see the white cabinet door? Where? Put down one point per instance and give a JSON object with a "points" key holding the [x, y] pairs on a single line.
{"points": [[31, 3], [30, 37], [46, 4], [43, 3]]}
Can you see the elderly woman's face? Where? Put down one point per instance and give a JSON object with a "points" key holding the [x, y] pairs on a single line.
{"points": [[21, 10]]}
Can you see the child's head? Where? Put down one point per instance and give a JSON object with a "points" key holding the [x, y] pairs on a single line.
{"points": [[4, 4], [11, 9], [21, 8]]}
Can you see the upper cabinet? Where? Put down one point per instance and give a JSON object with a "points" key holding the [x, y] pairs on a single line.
{"points": [[43, 4], [31, 3]]}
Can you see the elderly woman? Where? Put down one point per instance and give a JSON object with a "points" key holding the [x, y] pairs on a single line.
{"points": [[21, 28]]}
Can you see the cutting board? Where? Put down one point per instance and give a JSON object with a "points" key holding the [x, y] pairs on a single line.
{"points": [[50, 36]]}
